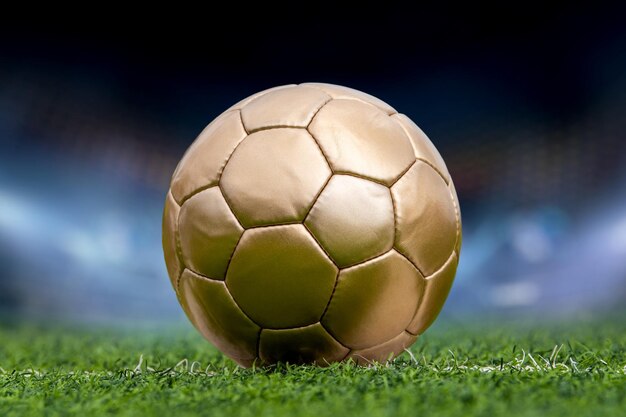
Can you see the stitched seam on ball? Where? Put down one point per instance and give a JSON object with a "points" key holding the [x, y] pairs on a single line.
{"points": [[330, 299], [333, 336], [368, 260], [412, 334], [232, 255], [447, 261], [382, 343], [198, 191], [220, 169], [288, 126], [319, 244], [361, 176], [230, 207], [395, 218], [330, 98], [261, 94], [399, 251], [243, 125], [262, 226], [408, 136], [319, 193], [177, 246], [207, 278], [272, 127], [321, 150], [421, 297], [351, 98], [457, 214], [417, 308], [430, 164], [403, 172], [238, 306]]}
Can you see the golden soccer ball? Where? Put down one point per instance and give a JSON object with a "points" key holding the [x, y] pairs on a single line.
{"points": [[311, 223]]}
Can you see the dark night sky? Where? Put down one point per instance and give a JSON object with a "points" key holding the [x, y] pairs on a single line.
{"points": [[546, 60]]}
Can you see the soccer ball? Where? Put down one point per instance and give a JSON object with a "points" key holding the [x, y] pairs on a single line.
{"points": [[311, 223]]}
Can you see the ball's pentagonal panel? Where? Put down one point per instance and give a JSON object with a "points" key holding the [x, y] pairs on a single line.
{"points": [[280, 277], [216, 315], [203, 162], [423, 147], [310, 344], [353, 219], [437, 288], [208, 233], [274, 176], [339, 92], [286, 107], [385, 351], [361, 139], [426, 225], [239, 105], [374, 301], [170, 245]]}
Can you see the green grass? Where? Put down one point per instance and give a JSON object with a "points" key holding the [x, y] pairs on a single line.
{"points": [[577, 369]]}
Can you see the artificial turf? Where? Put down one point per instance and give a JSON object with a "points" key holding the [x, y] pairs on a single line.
{"points": [[573, 369]]}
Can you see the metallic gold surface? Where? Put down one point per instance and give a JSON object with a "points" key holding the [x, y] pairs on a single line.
{"points": [[215, 314], [351, 239], [209, 233], [310, 344], [385, 351], [269, 110], [424, 208], [423, 147], [374, 301], [311, 224], [205, 159], [170, 231], [280, 277], [360, 139], [338, 91], [243, 103], [274, 177], [437, 288]]}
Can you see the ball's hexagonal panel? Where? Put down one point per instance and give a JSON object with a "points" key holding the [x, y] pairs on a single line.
{"points": [[437, 288], [203, 162], [361, 139], [170, 229], [353, 219], [374, 301], [310, 344], [274, 176], [239, 105], [339, 92], [208, 233], [383, 352], [287, 107], [423, 147], [280, 277], [426, 225], [215, 314]]}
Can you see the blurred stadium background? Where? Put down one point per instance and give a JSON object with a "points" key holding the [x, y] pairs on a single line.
{"points": [[529, 116]]}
